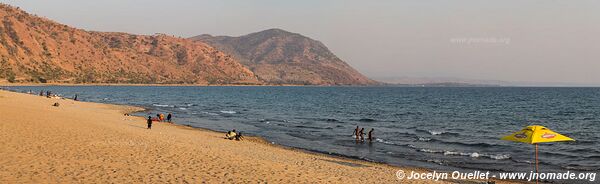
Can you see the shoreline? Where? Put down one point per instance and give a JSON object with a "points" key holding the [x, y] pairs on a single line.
{"points": [[337, 160], [8, 84], [124, 84]]}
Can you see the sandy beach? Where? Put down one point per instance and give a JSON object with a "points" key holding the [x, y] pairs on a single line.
{"points": [[81, 142]]}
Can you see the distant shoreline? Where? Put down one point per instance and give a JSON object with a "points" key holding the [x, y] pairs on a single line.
{"points": [[123, 84], [98, 109]]}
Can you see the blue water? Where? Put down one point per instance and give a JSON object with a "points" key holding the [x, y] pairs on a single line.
{"points": [[437, 128]]}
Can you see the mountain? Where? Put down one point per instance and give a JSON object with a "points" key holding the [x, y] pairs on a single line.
{"points": [[35, 49], [280, 57]]}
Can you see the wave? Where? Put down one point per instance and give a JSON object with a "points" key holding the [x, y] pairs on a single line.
{"points": [[469, 154], [424, 150], [312, 127], [408, 113], [228, 112], [423, 139], [592, 157], [364, 120], [382, 141], [437, 132], [271, 120], [331, 120], [473, 154], [436, 161], [182, 108], [581, 168], [210, 113], [500, 156], [323, 119], [162, 105], [433, 132], [522, 161], [473, 144]]}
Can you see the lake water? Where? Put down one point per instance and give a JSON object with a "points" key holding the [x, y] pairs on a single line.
{"points": [[437, 128]]}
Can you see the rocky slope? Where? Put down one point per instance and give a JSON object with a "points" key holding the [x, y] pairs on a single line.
{"points": [[35, 49], [280, 57]]}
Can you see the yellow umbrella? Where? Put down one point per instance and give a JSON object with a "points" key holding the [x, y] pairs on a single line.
{"points": [[535, 134]]}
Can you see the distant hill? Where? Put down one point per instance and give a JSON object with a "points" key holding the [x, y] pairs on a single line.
{"points": [[445, 84], [35, 49], [441, 82], [280, 57]]}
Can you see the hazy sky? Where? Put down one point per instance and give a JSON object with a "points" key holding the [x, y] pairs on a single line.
{"points": [[511, 40]]}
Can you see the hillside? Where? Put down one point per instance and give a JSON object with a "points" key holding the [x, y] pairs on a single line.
{"points": [[280, 57], [38, 50]]}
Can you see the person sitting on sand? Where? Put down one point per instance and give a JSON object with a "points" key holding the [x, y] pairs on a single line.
{"points": [[149, 122], [370, 136], [239, 136], [362, 134], [157, 117], [162, 117], [231, 134], [169, 116]]}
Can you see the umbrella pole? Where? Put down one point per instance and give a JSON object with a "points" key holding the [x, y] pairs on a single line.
{"points": [[536, 162]]}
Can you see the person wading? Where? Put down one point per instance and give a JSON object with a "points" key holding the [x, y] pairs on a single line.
{"points": [[362, 134], [370, 136], [356, 133]]}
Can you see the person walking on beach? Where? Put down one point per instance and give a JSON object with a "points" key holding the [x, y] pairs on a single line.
{"points": [[362, 134], [75, 98], [370, 136], [149, 122], [169, 116], [42, 93]]}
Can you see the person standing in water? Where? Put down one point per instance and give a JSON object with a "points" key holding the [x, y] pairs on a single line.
{"points": [[149, 122], [169, 116], [362, 134], [356, 133], [370, 136]]}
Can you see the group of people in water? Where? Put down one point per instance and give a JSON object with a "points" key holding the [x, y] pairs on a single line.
{"points": [[158, 118], [359, 134]]}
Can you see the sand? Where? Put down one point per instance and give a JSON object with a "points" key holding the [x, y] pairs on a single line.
{"points": [[82, 142]]}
